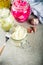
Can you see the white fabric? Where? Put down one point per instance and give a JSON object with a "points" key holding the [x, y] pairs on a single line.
{"points": [[37, 8]]}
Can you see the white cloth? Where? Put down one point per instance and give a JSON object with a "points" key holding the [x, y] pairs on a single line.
{"points": [[37, 8]]}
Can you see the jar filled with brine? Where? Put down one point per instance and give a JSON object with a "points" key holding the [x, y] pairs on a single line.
{"points": [[21, 10], [4, 3]]}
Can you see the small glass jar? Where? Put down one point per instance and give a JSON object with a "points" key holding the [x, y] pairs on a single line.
{"points": [[4, 3]]}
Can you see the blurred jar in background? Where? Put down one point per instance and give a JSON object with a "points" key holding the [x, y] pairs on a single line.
{"points": [[20, 10], [4, 3]]}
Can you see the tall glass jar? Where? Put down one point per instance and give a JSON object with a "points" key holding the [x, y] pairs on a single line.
{"points": [[4, 3]]}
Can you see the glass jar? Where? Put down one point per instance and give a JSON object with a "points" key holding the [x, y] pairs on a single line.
{"points": [[21, 10], [4, 3]]}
